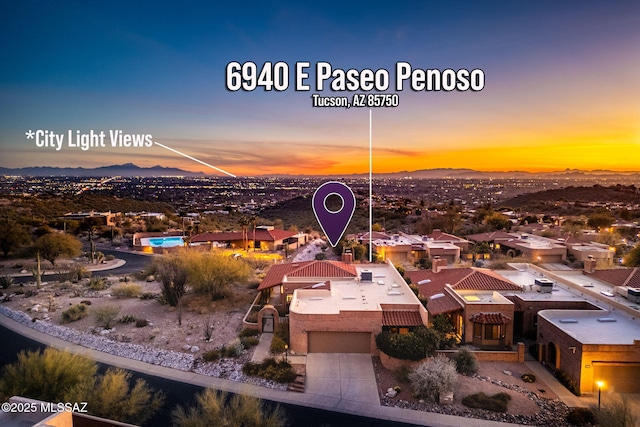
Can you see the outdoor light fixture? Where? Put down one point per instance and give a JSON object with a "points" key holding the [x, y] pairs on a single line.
{"points": [[600, 385]]}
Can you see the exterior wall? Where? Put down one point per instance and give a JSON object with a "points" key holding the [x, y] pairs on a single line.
{"points": [[394, 253], [596, 253], [473, 308], [566, 359], [391, 363], [491, 356], [579, 363], [451, 255], [531, 309], [345, 321], [604, 353]]}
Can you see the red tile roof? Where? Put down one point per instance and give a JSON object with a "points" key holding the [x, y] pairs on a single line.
{"points": [[319, 269], [486, 280], [442, 303], [328, 269], [619, 276], [517, 306], [489, 237], [401, 318], [459, 279], [438, 235], [490, 318], [261, 235]]}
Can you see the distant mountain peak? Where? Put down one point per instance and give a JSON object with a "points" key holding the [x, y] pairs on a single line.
{"points": [[127, 169]]}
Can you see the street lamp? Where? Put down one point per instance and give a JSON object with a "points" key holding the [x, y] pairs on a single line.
{"points": [[286, 352], [600, 384]]}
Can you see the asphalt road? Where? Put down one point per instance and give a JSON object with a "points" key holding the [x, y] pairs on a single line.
{"points": [[179, 393], [134, 263]]}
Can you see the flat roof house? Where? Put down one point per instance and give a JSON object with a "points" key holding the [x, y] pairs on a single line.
{"points": [[592, 346], [262, 238], [346, 316]]}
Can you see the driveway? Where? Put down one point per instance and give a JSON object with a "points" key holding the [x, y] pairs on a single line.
{"points": [[344, 376]]}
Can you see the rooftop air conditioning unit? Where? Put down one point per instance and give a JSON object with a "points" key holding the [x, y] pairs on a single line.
{"points": [[366, 276], [545, 285], [633, 295]]}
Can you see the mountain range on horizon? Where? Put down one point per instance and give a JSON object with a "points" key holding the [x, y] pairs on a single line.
{"points": [[131, 170]]}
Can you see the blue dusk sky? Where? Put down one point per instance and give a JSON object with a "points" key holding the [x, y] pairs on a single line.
{"points": [[562, 86]]}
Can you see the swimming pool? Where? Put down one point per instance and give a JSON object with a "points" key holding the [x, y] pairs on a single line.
{"points": [[162, 242]]}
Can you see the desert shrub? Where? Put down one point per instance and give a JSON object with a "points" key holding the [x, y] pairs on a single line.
{"points": [[131, 290], [270, 369], [416, 345], [581, 417], [402, 374], [98, 284], [116, 396], [617, 412], [433, 377], [234, 349], [106, 315], [567, 381], [75, 312], [78, 272], [277, 345], [249, 341], [147, 295], [109, 257], [215, 408], [528, 378], [215, 273], [496, 403], [466, 362], [211, 356], [6, 281], [49, 375], [30, 293], [249, 333], [282, 332], [127, 318]]}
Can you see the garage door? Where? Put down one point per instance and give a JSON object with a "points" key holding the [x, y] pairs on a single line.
{"points": [[339, 342], [618, 377]]}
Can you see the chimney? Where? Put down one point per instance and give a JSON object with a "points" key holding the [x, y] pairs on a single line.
{"points": [[590, 265], [347, 257], [438, 264]]}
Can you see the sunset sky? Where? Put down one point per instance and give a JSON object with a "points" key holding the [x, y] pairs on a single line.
{"points": [[562, 84]]}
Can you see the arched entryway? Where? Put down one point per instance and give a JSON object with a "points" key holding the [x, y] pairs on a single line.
{"points": [[268, 318], [553, 356]]}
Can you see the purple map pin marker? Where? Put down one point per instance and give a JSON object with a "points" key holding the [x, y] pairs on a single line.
{"points": [[333, 223]]}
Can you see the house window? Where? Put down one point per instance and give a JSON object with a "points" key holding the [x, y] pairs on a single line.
{"points": [[403, 331], [477, 330], [289, 297], [492, 332]]}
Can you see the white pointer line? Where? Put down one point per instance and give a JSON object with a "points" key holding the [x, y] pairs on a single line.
{"points": [[370, 189], [195, 160]]}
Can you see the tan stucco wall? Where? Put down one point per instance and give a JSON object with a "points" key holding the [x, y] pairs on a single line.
{"points": [[345, 321]]}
